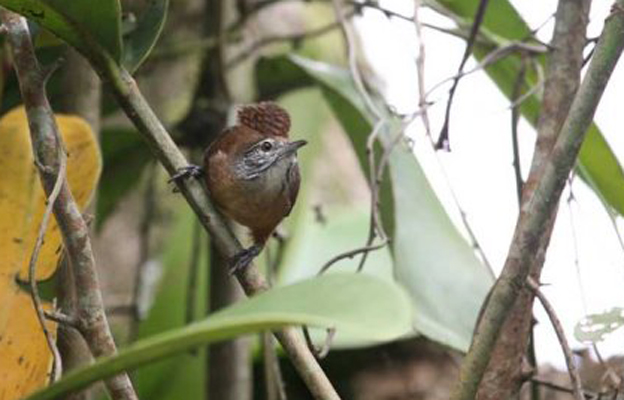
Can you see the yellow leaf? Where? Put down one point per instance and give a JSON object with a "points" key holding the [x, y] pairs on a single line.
{"points": [[26, 358]]}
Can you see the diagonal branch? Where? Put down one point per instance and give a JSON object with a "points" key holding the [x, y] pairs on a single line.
{"points": [[46, 141], [443, 140], [540, 204], [503, 376], [565, 346]]}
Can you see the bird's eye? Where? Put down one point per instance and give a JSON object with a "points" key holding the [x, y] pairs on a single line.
{"points": [[266, 146]]}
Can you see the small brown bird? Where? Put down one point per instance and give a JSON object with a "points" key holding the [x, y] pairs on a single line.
{"points": [[252, 174]]}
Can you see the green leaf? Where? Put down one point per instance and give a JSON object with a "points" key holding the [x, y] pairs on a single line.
{"points": [[140, 41], [593, 328], [316, 242], [342, 229], [374, 309], [446, 281], [125, 156], [444, 277], [597, 164], [92, 27]]}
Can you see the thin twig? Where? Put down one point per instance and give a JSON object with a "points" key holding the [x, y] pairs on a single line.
{"points": [[560, 388], [352, 57], [375, 226], [529, 93], [61, 318], [74, 230], [210, 42], [443, 140], [350, 254], [275, 388], [491, 58], [32, 266], [420, 68], [291, 37], [565, 346], [474, 242], [575, 247], [323, 351], [515, 118]]}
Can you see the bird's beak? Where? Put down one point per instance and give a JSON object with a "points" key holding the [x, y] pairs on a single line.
{"points": [[292, 147]]}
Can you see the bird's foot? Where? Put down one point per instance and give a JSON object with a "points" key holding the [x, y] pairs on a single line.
{"points": [[243, 258], [190, 171]]}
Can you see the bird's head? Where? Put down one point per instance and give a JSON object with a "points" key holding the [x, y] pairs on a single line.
{"points": [[260, 140]]}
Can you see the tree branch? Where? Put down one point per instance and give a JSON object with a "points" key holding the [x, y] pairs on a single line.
{"points": [[46, 143], [541, 204], [567, 352], [503, 376]]}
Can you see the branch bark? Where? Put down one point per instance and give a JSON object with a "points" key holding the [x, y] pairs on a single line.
{"points": [[81, 96], [540, 205], [504, 375], [75, 232]]}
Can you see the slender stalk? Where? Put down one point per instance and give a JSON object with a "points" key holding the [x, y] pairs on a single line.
{"points": [[74, 230]]}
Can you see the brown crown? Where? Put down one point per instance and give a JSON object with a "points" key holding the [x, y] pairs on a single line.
{"points": [[267, 118]]}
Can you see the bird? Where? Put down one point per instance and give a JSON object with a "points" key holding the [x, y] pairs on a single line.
{"points": [[252, 174]]}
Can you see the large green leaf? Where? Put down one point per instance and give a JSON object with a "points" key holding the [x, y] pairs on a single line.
{"points": [[446, 281], [92, 27], [139, 42], [362, 305], [597, 164]]}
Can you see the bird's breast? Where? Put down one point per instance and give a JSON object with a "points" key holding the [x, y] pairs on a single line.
{"points": [[259, 203]]}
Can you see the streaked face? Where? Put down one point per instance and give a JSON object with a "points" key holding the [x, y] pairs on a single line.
{"points": [[264, 155]]}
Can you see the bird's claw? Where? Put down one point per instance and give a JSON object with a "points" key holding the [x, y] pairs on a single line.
{"points": [[190, 171], [243, 258]]}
